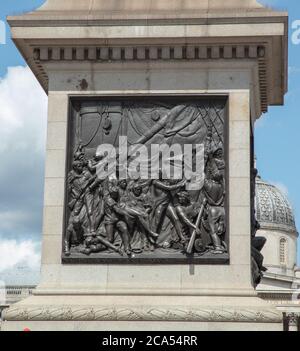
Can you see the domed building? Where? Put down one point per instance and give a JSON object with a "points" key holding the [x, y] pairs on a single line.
{"points": [[281, 281]]}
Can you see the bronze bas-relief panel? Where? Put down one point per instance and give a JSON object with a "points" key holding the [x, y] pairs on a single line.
{"points": [[162, 219]]}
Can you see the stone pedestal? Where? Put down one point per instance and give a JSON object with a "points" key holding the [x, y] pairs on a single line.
{"points": [[90, 311], [233, 52]]}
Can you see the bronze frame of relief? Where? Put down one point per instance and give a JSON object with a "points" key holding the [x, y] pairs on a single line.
{"points": [[172, 256]]}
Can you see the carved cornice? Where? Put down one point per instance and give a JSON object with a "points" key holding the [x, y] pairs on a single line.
{"points": [[159, 52], [135, 313], [104, 54]]}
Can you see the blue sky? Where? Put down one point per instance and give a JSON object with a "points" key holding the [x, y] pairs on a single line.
{"points": [[277, 135], [9, 55]]}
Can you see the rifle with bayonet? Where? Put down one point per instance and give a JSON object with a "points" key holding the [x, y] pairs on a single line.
{"points": [[198, 222]]}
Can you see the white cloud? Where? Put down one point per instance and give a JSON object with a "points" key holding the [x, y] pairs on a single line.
{"points": [[2, 33], [23, 118], [23, 112], [15, 254]]}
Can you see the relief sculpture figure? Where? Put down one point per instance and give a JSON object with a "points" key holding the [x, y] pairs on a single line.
{"points": [[164, 206], [159, 219], [215, 195]]}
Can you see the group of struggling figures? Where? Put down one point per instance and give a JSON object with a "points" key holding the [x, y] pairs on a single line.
{"points": [[131, 217]]}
